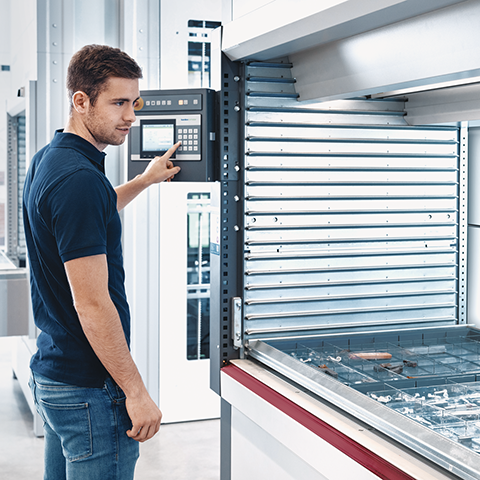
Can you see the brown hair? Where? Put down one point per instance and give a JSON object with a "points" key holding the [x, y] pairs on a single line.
{"points": [[93, 65]]}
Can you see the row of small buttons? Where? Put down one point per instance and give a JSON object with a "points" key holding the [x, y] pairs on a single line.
{"points": [[169, 102], [185, 102], [158, 102], [188, 130], [188, 137]]}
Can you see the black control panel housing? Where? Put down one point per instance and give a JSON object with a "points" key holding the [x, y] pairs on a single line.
{"points": [[165, 117]]}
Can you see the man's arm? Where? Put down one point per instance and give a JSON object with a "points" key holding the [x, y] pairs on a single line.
{"points": [[158, 170], [88, 279]]}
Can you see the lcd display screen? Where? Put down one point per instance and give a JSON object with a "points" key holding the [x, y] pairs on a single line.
{"points": [[156, 137]]}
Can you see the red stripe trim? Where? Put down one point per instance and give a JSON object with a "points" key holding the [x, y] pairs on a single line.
{"points": [[345, 444]]}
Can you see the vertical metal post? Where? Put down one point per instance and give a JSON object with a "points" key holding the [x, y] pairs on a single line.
{"points": [[200, 274], [226, 441], [229, 205], [462, 223], [12, 187]]}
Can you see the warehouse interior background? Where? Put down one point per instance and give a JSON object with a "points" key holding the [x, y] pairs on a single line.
{"points": [[394, 84]]}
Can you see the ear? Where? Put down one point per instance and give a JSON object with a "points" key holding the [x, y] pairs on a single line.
{"points": [[80, 102]]}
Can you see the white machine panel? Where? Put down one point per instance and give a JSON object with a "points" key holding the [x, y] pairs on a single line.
{"points": [[167, 273]]}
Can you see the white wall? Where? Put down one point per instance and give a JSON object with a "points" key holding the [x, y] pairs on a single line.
{"points": [[174, 17], [23, 48], [4, 89]]}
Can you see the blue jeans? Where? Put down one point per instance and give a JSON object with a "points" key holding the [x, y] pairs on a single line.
{"points": [[85, 431]]}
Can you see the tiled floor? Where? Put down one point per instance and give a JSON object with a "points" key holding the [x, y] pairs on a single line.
{"points": [[178, 452]]}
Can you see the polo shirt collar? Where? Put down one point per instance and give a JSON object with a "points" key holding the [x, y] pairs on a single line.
{"points": [[62, 139]]}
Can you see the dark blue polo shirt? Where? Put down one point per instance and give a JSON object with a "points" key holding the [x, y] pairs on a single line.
{"points": [[70, 211]]}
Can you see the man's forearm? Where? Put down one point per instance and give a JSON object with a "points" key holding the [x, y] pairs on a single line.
{"points": [[128, 191], [88, 279], [98, 316], [103, 329], [158, 170]]}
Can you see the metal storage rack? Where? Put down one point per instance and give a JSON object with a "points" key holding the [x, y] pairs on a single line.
{"points": [[430, 380], [344, 231]]}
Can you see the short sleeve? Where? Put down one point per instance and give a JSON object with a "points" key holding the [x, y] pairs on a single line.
{"points": [[77, 212]]}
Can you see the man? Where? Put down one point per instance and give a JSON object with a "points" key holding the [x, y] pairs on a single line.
{"points": [[86, 386]]}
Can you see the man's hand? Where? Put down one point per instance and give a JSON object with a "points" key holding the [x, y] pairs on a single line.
{"points": [[145, 417], [161, 169]]}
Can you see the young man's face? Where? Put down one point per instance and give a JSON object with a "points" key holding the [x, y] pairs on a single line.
{"points": [[110, 119]]}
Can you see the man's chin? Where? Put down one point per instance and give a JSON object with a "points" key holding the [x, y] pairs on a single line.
{"points": [[117, 141]]}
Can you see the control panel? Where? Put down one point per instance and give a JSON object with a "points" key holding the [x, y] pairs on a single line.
{"points": [[165, 117]]}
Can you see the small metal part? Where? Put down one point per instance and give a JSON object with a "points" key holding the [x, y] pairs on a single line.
{"points": [[388, 366], [370, 356], [334, 359], [328, 371], [385, 399], [237, 321]]}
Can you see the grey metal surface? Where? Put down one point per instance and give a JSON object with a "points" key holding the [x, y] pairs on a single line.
{"points": [[227, 205], [5, 262], [226, 441], [452, 456], [267, 30], [454, 104], [350, 221], [16, 171], [14, 298], [463, 224], [351, 216], [406, 55]]}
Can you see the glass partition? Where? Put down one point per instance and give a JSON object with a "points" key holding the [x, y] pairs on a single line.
{"points": [[198, 275]]}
